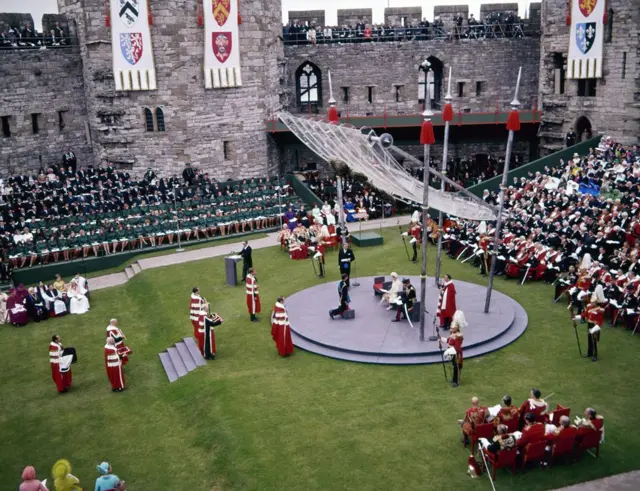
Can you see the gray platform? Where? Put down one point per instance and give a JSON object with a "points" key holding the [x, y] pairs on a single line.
{"points": [[181, 358], [372, 338]]}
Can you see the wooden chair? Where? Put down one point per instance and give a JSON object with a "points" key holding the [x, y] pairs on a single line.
{"points": [[504, 459], [533, 452], [484, 430], [562, 447], [588, 441]]}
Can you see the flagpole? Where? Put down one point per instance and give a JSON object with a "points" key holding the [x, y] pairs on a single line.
{"points": [[513, 125], [447, 116]]}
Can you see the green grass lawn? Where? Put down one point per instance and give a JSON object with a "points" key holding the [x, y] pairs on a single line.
{"points": [[253, 421]]}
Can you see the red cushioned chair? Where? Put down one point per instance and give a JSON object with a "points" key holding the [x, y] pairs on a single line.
{"points": [[484, 430], [588, 441], [378, 283], [533, 452], [562, 447], [504, 459], [512, 424], [554, 417]]}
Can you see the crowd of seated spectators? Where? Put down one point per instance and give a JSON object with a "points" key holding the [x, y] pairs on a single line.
{"points": [[493, 25], [63, 213], [38, 303], [28, 37], [469, 171], [577, 225], [528, 433]]}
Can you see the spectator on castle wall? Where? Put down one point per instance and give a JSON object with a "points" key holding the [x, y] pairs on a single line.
{"points": [[570, 139], [29, 36], [52, 39], [189, 174], [60, 33], [5, 42]]}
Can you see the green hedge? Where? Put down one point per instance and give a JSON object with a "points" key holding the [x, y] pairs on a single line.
{"points": [[552, 160]]}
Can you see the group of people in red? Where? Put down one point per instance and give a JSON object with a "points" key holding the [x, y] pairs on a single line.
{"points": [[116, 356], [205, 321], [519, 429]]}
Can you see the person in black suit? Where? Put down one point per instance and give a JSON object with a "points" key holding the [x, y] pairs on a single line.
{"points": [[69, 160], [247, 261], [343, 293], [345, 258], [189, 174]]}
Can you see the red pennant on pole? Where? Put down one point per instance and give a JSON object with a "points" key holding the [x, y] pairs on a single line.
{"points": [[149, 16], [605, 17], [107, 21], [332, 115], [568, 19], [513, 122], [426, 133], [447, 112]]}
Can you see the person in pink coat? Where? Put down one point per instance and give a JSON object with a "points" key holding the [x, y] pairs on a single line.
{"points": [[29, 481]]}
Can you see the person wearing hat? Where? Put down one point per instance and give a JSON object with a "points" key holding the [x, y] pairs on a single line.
{"points": [[29, 481], [594, 315], [63, 480], [406, 301], [345, 258], [108, 481]]}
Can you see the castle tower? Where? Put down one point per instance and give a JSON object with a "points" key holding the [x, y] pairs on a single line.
{"points": [[608, 105], [220, 131]]}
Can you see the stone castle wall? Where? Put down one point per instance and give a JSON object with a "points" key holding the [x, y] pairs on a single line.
{"points": [[198, 121], [48, 83], [385, 66], [615, 109]]}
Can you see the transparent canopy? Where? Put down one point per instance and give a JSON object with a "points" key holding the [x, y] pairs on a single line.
{"points": [[366, 154]]}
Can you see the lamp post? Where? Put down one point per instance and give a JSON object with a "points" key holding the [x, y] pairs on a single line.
{"points": [[447, 117], [426, 139], [513, 125]]}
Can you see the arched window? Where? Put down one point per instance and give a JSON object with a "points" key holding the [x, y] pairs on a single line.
{"points": [[148, 119], [160, 119], [309, 85], [433, 83]]}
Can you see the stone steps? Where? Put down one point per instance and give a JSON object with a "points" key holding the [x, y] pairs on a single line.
{"points": [[181, 358]]}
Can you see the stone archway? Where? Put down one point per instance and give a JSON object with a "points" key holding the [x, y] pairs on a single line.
{"points": [[583, 129], [438, 72]]}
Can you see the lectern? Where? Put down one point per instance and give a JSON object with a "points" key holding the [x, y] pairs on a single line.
{"points": [[231, 270]]}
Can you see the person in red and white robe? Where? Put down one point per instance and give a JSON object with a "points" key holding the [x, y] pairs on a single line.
{"points": [[208, 322], [113, 331], [61, 375], [113, 365], [281, 329], [195, 306], [534, 405], [447, 302], [253, 294]]}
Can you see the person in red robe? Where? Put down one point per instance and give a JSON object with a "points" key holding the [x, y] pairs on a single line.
{"points": [[507, 414], [61, 375], [195, 306], [447, 303], [415, 231], [591, 422], [253, 294], [534, 405], [532, 432], [114, 331], [281, 329], [113, 364], [474, 416]]}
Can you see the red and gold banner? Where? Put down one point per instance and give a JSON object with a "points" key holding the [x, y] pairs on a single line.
{"points": [[221, 44]]}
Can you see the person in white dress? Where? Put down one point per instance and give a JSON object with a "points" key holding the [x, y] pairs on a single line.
{"points": [[391, 296], [78, 302]]}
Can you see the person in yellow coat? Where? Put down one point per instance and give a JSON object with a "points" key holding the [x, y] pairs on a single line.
{"points": [[63, 480]]}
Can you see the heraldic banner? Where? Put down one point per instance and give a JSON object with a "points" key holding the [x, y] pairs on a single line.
{"points": [[221, 44], [585, 41], [131, 45]]}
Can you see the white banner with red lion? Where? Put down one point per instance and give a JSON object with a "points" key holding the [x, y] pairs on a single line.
{"points": [[133, 67], [586, 39], [221, 44]]}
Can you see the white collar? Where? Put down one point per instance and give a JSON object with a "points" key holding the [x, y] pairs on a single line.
{"points": [[280, 305], [195, 296]]}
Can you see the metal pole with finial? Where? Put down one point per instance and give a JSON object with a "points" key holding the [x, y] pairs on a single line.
{"points": [[426, 139], [513, 125], [332, 116], [447, 117]]}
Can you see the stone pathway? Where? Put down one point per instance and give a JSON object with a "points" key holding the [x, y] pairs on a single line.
{"points": [[115, 279], [621, 482]]}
